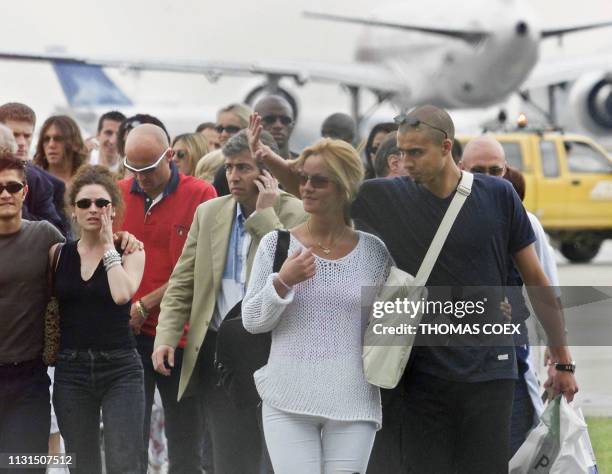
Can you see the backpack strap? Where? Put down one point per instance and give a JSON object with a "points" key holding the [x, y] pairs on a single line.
{"points": [[280, 255]]}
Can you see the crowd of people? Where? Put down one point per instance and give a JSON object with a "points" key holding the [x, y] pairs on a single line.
{"points": [[151, 244]]}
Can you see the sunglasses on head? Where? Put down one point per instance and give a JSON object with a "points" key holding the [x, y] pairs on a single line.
{"points": [[230, 129], [12, 187], [85, 203], [403, 119], [316, 181], [491, 170], [145, 169], [271, 119]]}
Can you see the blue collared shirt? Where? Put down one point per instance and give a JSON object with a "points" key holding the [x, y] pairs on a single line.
{"points": [[233, 283]]}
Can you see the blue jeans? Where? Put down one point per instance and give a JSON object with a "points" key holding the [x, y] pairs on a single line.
{"points": [[87, 381], [25, 411]]}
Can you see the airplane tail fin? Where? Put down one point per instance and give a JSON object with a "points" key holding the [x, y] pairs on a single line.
{"points": [[88, 86]]}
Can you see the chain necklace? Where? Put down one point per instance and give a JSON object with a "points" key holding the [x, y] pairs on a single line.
{"points": [[326, 250]]}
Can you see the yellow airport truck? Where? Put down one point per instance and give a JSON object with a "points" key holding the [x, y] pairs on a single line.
{"points": [[569, 187]]}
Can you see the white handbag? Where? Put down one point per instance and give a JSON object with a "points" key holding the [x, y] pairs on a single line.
{"points": [[385, 355]]}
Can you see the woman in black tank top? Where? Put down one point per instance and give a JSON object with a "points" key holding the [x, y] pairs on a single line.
{"points": [[98, 367]]}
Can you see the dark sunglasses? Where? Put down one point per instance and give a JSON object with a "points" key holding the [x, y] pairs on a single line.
{"points": [[55, 138], [12, 187], [492, 170], [230, 129], [271, 119], [316, 181], [85, 203], [403, 119]]}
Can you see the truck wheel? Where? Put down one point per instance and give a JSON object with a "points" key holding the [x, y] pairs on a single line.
{"points": [[580, 251]]}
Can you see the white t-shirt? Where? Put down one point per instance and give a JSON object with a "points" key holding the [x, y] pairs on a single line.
{"points": [[545, 252]]}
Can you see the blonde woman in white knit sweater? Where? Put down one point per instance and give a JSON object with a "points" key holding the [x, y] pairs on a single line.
{"points": [[320, 415]]}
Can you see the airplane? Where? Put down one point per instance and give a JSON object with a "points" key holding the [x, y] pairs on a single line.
{"points": [[484, 52]]}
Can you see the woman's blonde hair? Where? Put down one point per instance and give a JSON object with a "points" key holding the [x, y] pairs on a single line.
{"points": [[196, 146], [344, 164], [242, 111]]}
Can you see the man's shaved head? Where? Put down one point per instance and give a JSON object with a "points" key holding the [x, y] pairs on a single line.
{"points": [[483, 153], [273, 101], [147, 145], [430, 120], [425, 139], [147, 133], [339, 126]]}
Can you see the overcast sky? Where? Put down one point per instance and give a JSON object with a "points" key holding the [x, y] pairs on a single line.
{"points": [[233, 30]]}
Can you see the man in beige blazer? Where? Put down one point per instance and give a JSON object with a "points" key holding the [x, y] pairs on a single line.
{"points": [[209, 278]]}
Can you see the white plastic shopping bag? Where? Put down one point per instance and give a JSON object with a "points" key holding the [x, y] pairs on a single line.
{"points": [[560, 444]]}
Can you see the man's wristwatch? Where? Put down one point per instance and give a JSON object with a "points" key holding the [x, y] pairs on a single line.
{"points": [[571, 367], [142, 311]]}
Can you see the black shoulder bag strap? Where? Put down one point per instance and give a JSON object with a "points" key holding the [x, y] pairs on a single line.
{"points": [[280, 255], [53, 267], [282, 249]]}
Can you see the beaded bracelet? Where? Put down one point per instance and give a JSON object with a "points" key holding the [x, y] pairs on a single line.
{"points": [[110, 258]]}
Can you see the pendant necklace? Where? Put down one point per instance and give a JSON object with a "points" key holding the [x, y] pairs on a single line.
{"points": [[326, 250]]}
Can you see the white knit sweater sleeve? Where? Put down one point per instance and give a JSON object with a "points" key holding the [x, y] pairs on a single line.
{"points": [[262, 307]]}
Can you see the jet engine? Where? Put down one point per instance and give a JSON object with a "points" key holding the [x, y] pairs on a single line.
{"points": [[590, 101]]}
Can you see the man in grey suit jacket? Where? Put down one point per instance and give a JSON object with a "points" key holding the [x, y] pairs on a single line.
{"points": [[208, 280]]}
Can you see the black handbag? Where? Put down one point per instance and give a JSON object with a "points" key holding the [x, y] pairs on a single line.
{"points": [[239, 353]]}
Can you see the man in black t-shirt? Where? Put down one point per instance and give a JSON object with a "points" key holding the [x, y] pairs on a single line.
{"points": [[456, 401]]}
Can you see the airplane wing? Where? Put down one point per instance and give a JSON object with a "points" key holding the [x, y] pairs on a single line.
{"points": [[375, 77], [562, 70], [563, 30], [472, 37]]}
